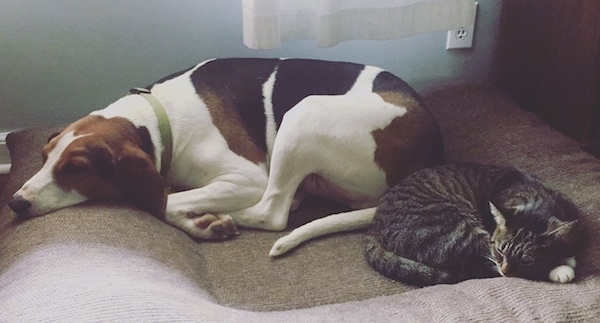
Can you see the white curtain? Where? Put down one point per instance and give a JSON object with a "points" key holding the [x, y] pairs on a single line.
{"points": [[268, 22]]}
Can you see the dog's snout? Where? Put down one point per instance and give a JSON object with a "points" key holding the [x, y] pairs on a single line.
{"points": [[19, 205]]}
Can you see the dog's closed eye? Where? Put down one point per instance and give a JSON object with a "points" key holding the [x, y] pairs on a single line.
{"points": [[76, 166]]}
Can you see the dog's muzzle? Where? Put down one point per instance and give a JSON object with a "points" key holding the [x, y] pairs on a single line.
{"points": [[20, 205]]}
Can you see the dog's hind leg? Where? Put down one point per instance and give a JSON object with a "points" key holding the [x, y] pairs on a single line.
{"points": [[330, 137], [289, 166]]}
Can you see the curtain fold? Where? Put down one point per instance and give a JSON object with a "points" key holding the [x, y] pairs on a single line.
{"points": [[266, 23]]}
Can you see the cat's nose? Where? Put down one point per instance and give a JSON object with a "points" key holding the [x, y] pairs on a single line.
{"points": [[505, 269]]}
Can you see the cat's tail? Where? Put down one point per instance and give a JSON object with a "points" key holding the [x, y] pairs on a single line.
{"points": [[399, 268], [339, 222]]}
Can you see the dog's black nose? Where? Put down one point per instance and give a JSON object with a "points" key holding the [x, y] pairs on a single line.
{"points": [[19, 205]]}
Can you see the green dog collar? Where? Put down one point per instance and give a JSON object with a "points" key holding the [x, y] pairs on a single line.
{"points": [[164, 127]]}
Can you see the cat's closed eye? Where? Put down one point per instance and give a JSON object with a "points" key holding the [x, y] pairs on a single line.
{"points": [[526, 260]]}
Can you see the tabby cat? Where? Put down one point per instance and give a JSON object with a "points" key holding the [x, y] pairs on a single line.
{"points": [[456, 222]]}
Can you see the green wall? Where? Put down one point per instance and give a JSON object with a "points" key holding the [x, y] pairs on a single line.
{"points": [[61, 59]]}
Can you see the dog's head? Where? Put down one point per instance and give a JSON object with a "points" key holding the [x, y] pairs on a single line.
{"points": [[91, 158]]}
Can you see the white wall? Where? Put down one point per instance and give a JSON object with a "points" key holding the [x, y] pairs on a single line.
{"points": [[61, 59]]}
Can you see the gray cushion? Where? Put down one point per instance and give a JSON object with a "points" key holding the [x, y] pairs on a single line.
{"points": [[107, 261]]}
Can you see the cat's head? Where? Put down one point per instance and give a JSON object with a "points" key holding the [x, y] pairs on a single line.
{"points": [[528, 244]]}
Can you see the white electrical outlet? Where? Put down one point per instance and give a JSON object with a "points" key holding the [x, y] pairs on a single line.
{"points": [[461, 37]]}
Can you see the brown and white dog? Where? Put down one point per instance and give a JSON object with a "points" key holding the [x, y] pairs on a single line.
{"points": [[249, 138]]}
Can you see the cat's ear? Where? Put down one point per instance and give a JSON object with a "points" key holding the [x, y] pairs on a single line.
{"points": [[561, 230], [498, 216]]}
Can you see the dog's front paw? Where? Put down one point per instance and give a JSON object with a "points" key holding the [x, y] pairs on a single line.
{"points": [[209, 226], [205, 226]]}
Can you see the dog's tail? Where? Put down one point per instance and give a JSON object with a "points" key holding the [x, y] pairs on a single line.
{"points": [[339, 222]]}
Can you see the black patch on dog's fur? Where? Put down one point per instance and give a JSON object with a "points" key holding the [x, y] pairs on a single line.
{"points": [[387, 81], [299, 78], [238, 83], [168, 77]]}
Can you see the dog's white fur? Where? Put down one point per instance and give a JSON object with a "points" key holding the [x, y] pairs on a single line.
{"points": [[327, 135], [42, 191], [293, 157], [338, 222]]}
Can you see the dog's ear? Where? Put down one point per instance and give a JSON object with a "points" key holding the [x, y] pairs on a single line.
{"points": [[52, 136], [138, 179]]}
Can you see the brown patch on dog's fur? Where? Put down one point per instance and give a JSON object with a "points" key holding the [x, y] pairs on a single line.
{"points": [[237, 137], [410, 142], [109, 161], [399, 99]]}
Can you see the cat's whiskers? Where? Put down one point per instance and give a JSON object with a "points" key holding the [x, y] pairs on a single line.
{"points": [[495, 264], [492, 259]]}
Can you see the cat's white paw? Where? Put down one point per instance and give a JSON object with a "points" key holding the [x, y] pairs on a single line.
{"points": [[571, 262], [562, 274]]}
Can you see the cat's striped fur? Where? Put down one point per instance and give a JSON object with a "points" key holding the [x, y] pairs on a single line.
{"points": [[455, 222]]}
